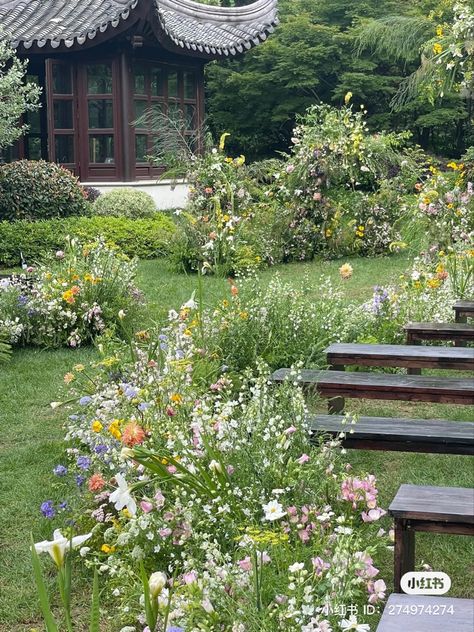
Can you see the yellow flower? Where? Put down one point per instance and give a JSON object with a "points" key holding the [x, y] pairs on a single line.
{"points": [[244, 315], [346, 271], [434, 283], [453, 165], [222, 140], [96, 426], [79, 367], [105, 548], [328, 232], [188, 332], [348, 97], [114, 428], [126, 513], [439, 31], [176, 398], [437, 48]]}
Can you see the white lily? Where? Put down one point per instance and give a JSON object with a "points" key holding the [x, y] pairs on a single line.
{"points": [[121, 497], [58, 546], [191, 304]]}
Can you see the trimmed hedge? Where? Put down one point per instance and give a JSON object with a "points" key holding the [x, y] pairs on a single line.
{"points": [[36, 189], [125, 202], [144, 238]]}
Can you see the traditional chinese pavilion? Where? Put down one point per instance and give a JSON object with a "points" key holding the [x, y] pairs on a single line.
{"points": [[104, 64]]}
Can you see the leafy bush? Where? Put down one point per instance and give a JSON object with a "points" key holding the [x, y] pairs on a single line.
{"points": [[225, 227], [341, 187], [36, 189], [76, 295], [125, 202], [144, 238]]}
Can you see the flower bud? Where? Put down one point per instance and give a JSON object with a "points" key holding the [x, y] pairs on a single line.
{"points": [[157, 582]]}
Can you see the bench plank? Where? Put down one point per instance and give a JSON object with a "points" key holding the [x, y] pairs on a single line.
{"points": [[463, 309], [397, 615], [434, 504], [407, 356], [439, 331], [396, 434], [385, 386]]}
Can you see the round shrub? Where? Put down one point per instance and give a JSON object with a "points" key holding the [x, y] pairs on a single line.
{"points": [[36, 189], [125, 202]]}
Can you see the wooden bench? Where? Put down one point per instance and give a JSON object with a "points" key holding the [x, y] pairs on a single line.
{"points": [[426, 508], [405, 435], [405, 356], [463, 310], [420, 613], [335, 385], [454, 332]]}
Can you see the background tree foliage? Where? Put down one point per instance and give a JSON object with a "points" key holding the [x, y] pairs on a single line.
{"points": [[321, 51]]}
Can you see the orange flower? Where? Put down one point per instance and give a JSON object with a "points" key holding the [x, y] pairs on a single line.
{"points": [[133, 434], [68, 378], [75, 290], [96, 483]]}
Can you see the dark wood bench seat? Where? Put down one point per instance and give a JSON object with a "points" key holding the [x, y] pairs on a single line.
{"points": [[419, 388], [405, 435], [406, 356], [454, 332], [421, 613], [463, 310], [426, 508]]}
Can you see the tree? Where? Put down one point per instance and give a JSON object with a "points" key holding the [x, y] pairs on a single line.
{"points": [[17, 96]]}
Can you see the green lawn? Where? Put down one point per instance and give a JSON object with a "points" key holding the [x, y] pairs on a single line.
{"points": [[31, 439]]}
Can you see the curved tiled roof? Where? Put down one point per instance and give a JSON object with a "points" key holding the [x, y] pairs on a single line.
{"points": [[202, 29], [216, 30]]}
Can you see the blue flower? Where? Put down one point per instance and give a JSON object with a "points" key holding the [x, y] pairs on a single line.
{"points": [[60, 470], [83, 462], [175, 629], [85, 400], [73, 417], [143, 406], [80, 480], [47, 509], [101, 449], [131, 392], [22, 300], [63, 505]]}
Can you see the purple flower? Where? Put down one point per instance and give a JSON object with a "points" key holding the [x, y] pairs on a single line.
{"points": [[175, 629], [60, 470], [143, 406], [83, 462], [101, 449], [47, 509], [63, 505], [80, 480], [85, 400]]}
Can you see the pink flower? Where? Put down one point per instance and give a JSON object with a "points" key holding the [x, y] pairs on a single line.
{"points": [[245, 564], [319, 566], [165, 532], [373, 515], [376, 590], [170, 411], [146, 506], [190, 578], [290, 430], [290, 168], [60, 254], [304, 458], [230, 469], [317, 196], [172, 469], [159, 499]]}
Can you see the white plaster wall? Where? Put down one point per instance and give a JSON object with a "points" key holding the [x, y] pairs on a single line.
{"points": [[166, 193]]}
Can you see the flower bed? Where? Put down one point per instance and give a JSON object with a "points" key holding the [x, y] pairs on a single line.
{"points": [[213, 489], [81, 293]]}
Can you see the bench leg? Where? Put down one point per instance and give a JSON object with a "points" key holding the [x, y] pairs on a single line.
{"points": [[413, 340], [336, 404], [404, 560]]}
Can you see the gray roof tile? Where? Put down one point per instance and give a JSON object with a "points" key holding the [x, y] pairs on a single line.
{"points": [[209, 30]]}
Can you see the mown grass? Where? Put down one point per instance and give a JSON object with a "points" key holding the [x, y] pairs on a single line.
{"points": [[31, 439]]}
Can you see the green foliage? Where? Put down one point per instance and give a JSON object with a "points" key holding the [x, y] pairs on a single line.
{"points": [[313, 57], [144, 238], [36, 189], [125, 202], [16, 95]]}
